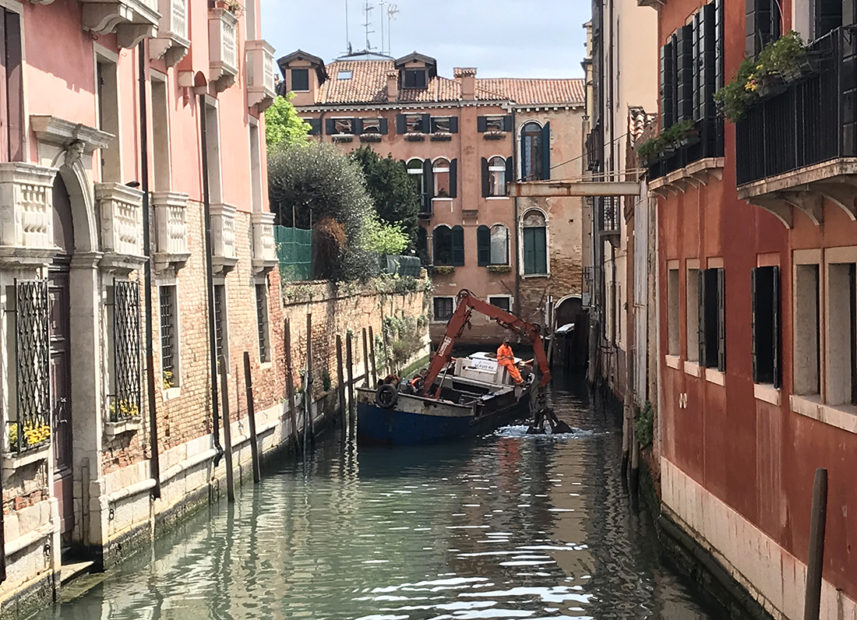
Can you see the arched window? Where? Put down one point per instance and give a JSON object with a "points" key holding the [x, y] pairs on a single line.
{"points": [[492, 245], [416, 168], [440, 172], [495, 173], [535, 243], [448, 246], [422, 245], [535, 152]]}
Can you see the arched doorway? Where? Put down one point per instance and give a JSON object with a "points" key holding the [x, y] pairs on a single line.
{"points": [[59, 295], [572, 345]]}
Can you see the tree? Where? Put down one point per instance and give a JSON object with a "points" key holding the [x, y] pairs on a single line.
{"points": [[318, 187], [391, 189], [283, 125], [384, 238]]}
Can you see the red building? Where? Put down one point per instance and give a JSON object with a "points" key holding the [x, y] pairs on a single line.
{"points": [[758, 328]]}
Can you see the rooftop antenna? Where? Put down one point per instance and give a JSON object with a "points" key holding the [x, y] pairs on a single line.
{"points": [[347, 35], [367, 8], [383, 5], [392, 11]]}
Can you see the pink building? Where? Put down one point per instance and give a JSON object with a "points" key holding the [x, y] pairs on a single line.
{"points": [[115, 114]]}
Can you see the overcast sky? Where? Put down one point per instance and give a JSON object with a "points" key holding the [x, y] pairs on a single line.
{"points": [[502, 38]]}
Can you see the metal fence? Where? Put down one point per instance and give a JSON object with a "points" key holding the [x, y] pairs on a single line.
{"points": [[294, 252], [401, 265]]}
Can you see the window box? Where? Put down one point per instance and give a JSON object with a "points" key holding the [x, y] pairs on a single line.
{"points": [[370, 137], [494, 135], [16, 460], [441, 137], [415, 137], [442, 270], [499, 268], [344, 137], [120, 427]]}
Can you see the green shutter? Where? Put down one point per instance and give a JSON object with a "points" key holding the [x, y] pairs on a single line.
{"points": [[529, 254], [546, 152], [535, 251], [485, 185], [453, 178], [541, 250], [481, 124], [483, 246], [457, 246]]}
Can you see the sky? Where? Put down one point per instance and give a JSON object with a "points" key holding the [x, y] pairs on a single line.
{"points": [[501, 38]]}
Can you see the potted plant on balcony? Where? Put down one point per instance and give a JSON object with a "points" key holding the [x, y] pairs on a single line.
{"points": [[678, 135], [233, 6]]}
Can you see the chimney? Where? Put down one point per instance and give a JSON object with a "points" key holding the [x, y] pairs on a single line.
{"points": [[466, 76], [392, 86]]}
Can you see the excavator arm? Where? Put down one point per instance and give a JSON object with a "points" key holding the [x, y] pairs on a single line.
{"points": [[467, 303]]}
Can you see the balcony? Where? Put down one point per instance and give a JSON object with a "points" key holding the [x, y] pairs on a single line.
{"points": [[223, 253], [172, 43], [26, 213], [264, 246], [223, 48], [693, 163], [120, 210], [260, 74], [130, 20], [171, 249], [800, 146]]}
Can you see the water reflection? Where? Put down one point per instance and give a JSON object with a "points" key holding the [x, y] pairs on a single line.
{"points": [[509, 526]]}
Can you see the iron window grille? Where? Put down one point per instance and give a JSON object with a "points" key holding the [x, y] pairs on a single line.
{"points": [[168, 335], [220, 324], [32, 428], [262, 322], [125, 402]]}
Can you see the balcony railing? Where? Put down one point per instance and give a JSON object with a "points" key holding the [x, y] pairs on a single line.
{"points": [[260, 74], [223, 48], [172, 42], [812, 122], [26, 213], [171, 232], [223, 253], [121, 216], [708, 144], [264, 245]]}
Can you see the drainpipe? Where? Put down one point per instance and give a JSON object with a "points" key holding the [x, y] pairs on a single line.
{"points": [[154, 460], [209, 284], [517, 226]]}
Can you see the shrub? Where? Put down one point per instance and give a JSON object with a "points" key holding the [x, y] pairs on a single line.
{"points": [[644, 425]]}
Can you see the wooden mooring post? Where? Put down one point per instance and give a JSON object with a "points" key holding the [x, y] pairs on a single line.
{"points": [[290, 388], [340, 389], [309, 433], [372, 357], [227, 432], [365, 360], [815, 564], [349, 364], [251, 414]]}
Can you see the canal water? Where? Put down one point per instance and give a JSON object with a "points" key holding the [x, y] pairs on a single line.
{"points": [[506, 526]]}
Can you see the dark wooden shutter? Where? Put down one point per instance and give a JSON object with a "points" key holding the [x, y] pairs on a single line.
{"points": [[401, 125], [329, 126], [762, 25], [483, 246], [708, 62], [508, 123], [510, 173], [698, 57], [356, 126], [441, 246], [684, 70], [453, 178], [775, 324], [425, 123], [718, 44], [755, 326], [485, 181], [721, 319], [541, 249], [453, 124], [314, 126], [546, 152], [14, 87], [382, 126], [481, 124], [701, 318], [828, 16], [457, 246], [667, 80], [529, 251], [428, 178]]}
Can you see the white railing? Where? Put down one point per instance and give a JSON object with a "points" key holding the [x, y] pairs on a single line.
{"points": [[260, 74], [264, 244], [121, 212], [26, 209], [172, 42], [223, 44], [223, 252], [171, 247]]}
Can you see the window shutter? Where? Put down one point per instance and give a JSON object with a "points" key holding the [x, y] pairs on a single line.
{"points": [[457, 246], [718, 44], [546, 152], [701, 318], [483, 246], [425, 125], [485, 183], [441, 246], [508, 124], [14, 90], [506, 255], [510, 173], [481, 124], [762, 25], [684, 68], [754, 323], [357, 126], [541, 256], [828, 16], [674, 83], [453, 124], [666, 86], [775, 324], [529, 258], [428, 179], [329, 127], [721, 319], [401, 127], [698, 60], [710, 56], [453, 178], [314, 126], [382, 126]]}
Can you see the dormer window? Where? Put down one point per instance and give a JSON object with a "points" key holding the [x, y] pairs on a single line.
{"points": [[300, 80], [344, 75], [415, 78]]}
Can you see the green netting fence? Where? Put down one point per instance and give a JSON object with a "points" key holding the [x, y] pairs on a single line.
{"points": [[294, 253]]}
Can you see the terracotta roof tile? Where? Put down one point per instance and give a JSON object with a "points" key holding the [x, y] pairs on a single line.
{"points": [[368, 84]]}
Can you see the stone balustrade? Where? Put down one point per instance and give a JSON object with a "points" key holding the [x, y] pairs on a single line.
{"points": [[264, 256], [26, 213], [224, 255], [171, 247], [223, 48], [172, 42], [260, 74], [120, 210]]}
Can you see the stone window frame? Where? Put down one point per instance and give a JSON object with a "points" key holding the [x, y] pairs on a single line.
{"points": [[521, 227], [174, 389], [109, 164], [434, 299], [263, 322], [509, 300]]}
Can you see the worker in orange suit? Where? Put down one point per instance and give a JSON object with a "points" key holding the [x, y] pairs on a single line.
{"points": [[506, 359]]}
